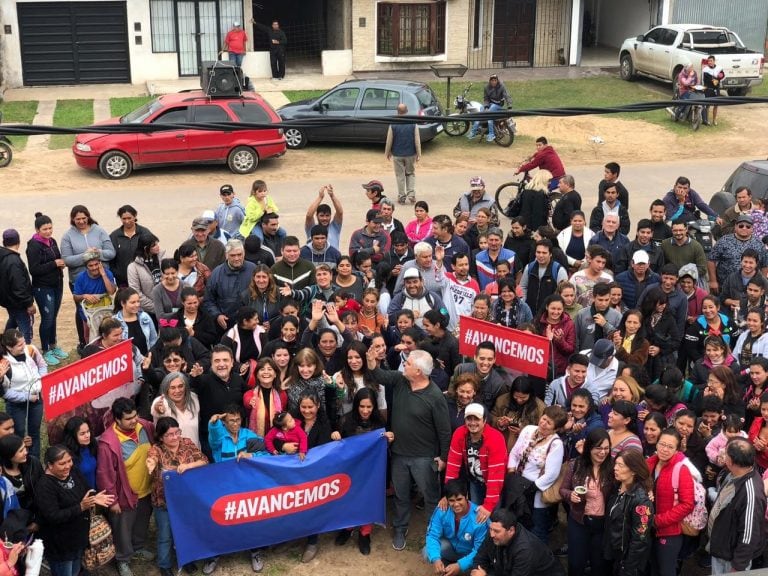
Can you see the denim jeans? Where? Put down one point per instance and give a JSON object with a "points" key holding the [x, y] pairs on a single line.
{"points": [[542, 520], [405, 471], [236, 59], [720, 566], [20, 318], [585, 544], [164, 538], [491, 130], [66, 567], [447, 554], [27, 427], [477, 492], [48, 302]]}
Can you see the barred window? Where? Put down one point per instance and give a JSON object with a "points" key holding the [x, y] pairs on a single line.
{"points": [[232, 11], [411, 29], [163, 25]]}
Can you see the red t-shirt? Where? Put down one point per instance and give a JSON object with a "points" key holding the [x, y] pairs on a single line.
{"points": [[235, 41]]}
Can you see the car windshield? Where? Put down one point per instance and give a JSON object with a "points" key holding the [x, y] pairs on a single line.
{"points": [[752, 179], [140, 114]]}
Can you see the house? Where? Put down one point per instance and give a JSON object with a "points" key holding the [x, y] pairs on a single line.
{"points": [[48, 42]]}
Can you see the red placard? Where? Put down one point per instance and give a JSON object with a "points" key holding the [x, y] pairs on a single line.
{"points": [[516, 350], [75, 384]]}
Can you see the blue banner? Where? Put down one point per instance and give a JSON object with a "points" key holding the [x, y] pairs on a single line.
{"points": [[233, 506]]}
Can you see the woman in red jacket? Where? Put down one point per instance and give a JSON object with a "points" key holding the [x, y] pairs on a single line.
{"points": [[480, 451], [673, 503]]}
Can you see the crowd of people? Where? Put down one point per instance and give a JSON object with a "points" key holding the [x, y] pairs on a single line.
{"points": [[650, 429]]}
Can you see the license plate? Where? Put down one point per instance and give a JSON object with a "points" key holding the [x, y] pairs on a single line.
{"points": [[439, 128]]}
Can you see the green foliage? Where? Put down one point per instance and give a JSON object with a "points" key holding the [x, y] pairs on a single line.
{"points": [[70, 113]]}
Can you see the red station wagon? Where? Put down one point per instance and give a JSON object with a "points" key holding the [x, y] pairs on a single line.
{"points": [[117, 155]]}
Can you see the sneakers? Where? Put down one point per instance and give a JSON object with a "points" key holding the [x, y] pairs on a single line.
{"points": [[144, 554], [398, 540], [471, 135], [343, 537], [209, 567], [490, 138], [59, 353], [364, 544], [51, 359], [257, 562], [309, 553], [124, 569], [401, 200]]}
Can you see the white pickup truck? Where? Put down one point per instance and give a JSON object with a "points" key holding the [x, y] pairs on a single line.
{"points": [[664, 50]]}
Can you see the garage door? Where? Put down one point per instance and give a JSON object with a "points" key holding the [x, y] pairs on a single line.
{"points": [[74, 42]]}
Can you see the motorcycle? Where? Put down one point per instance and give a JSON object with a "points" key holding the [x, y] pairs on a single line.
{"points": [[693, 113], [505, 128], [6, 154], [701, 231]]}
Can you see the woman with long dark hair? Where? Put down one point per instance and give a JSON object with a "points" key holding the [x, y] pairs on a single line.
{"points": [[83, 447], [246, 338], [461, 393], [722, 383], [136, 323], [516, 409], [622, 422], [21, 469], [586, 488], [262, 294], [631, 346], [754, 340], [144, 272], [192, 272], [661, 330], [716, 353], [166, 295], [193, 321], [266, 399], [653, 425], [509, 310], [629, 516], [712, 322], [355, 375], [558, 327]]}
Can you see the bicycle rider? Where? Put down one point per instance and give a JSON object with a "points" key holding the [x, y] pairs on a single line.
{"points": [[495, 97], [545, 158]]}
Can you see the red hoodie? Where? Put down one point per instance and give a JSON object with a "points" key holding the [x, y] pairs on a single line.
{"points": [[668, 514], [761, 458], [545, 159]]}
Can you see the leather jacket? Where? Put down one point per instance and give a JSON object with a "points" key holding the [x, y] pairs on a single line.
{"points": [[628, 530]]}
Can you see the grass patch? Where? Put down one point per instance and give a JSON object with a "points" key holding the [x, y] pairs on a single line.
{"points": [[70, 113], [20, 112], [296, 95], [121, 106]]}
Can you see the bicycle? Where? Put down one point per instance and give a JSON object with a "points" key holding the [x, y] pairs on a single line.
{"points": [[509, 197]]}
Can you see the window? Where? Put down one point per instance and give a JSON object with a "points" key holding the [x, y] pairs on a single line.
{"points": [[211, 113], [411, 29], [340, 100], [163, 25], [246, 112], [380, 99], [173, 116], [654, 36]]}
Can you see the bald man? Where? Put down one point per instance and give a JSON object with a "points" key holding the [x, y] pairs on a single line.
{"points": [[404, 149]]}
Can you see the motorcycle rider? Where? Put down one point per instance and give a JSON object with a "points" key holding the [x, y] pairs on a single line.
{"points": [[495, 97], [686, 80]]}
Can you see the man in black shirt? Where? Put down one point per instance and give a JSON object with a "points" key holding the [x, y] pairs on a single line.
{"points": [[277, 42]]}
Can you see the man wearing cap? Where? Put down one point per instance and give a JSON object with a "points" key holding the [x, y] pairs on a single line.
{"points": [[486, 260], [403, 147], [511, 550], [643, 241], [318, 250], [637, 278], [256, 253], [681, 249], [214, 232], [602, 370], [210, 252], [609, 236], [479, 453], [432, 272], [374, 191], [725, 256], [495, 97], [230, 212], [235, 43], [370, 237], [227, 282], [15, 286], [476, 198], [415, 297], [454, 535], [320, 213]]}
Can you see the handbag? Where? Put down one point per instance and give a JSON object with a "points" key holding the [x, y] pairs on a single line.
{"points": [[101, 546], [552, 494]]}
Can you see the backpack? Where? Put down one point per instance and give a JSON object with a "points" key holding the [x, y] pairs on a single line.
{"points": [[696, 520]]}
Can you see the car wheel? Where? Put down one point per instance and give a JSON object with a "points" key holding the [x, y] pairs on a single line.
{"points": [[626, 68], [243, 160], [115, 165], [295, 138], [737, 91], [6, 154]]}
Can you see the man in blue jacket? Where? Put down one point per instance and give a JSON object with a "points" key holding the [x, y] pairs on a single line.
{"points": [[454, 536]]}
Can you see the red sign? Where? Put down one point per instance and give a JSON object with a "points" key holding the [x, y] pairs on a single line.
{"points": [[75, 384], [278, 501], [516, 350]]}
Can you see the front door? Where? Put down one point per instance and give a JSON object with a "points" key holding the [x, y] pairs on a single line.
{"points": [[198, 35], [514, 22]]}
